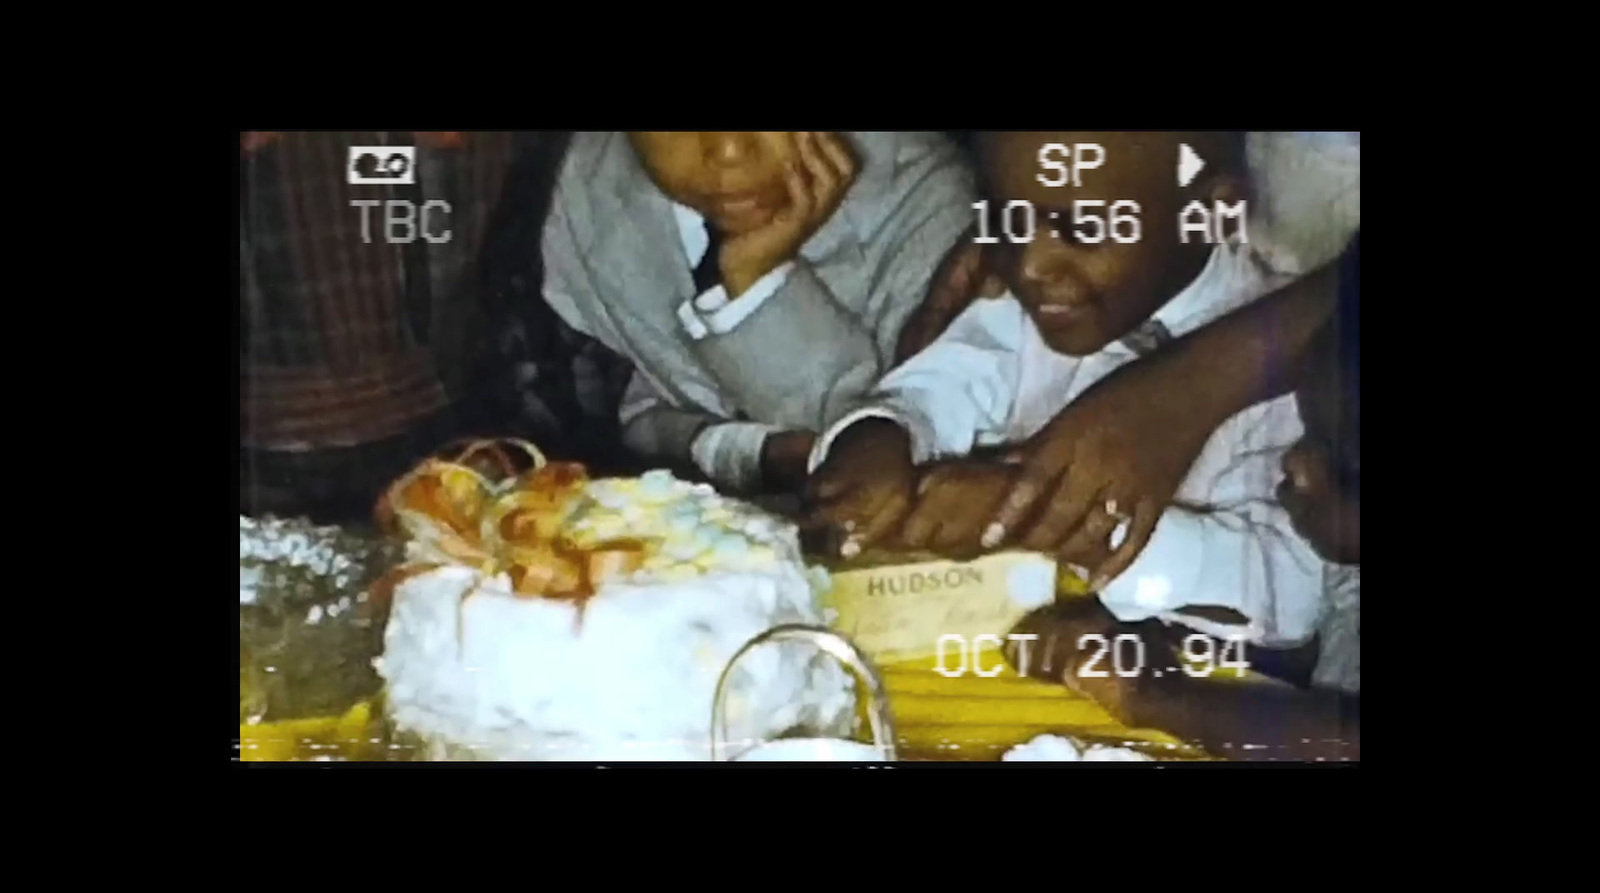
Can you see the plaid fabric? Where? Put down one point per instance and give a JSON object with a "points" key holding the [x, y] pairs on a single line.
{"points": [[346, 342], [357, 358]]}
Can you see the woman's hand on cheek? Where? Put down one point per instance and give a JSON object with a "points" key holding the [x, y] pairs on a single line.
{"points": [[962, 277]]}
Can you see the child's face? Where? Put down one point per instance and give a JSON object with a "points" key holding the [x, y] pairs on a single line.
{"points": [[1322, 473], [1083, 296], [734, 178]]}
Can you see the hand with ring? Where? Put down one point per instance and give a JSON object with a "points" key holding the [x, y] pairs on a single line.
{"points": [[1096, 480], [1088, 547], [1104, 529]]}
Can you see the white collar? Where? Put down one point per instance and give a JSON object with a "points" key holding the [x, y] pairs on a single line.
{"points": [[692, 233]]}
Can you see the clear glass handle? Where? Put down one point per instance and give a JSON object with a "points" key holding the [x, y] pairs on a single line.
{"points": [[841, 649]]}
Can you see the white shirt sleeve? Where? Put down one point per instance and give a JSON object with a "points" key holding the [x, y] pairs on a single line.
{"points": [[957, 393], [1241, 554], [730, 453]]}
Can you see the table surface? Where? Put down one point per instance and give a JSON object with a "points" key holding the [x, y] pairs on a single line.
{"points": [[937, 719]]}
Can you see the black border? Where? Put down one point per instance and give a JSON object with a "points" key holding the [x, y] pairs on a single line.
{"points": [[780, 767], [1421, 742]]}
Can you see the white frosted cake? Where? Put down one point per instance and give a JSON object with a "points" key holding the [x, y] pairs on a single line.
{"points": [[590, 620]]}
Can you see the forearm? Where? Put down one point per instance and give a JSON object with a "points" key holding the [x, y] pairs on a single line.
{"points": [[954, 394], [664, 434], [742, 457], [1244, 720], [933, 429], [688, 440], [1253, 353], [1251, 721]]}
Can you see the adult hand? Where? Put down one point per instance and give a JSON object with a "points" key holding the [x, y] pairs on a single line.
{"points": [[962, 277], [1112, 459]]}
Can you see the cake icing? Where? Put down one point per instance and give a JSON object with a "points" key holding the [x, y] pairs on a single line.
{"points": [[477, 667]]}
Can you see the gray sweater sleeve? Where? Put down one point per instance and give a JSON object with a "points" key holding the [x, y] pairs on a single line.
{"points": [[651, 425], [657, 430]]}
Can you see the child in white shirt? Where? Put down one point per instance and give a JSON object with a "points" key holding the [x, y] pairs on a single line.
{"points": [[1223, 559], [1322, 492]]}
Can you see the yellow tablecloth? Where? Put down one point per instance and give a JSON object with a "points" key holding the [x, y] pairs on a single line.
{"points": [[965, 718], [973, 718], [969, 718]]}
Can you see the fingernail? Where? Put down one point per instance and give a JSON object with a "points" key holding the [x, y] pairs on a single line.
{"points": [[992, 535], [1098, 583], [1120, 535], [850, 549], [849, 527]]}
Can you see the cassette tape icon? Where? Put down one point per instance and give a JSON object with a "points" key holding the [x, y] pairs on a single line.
{"points": [[382, 165]]}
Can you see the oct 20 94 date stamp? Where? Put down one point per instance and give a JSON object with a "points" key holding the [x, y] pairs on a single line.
{"points": [[1099, 656], [1126, 656]]}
